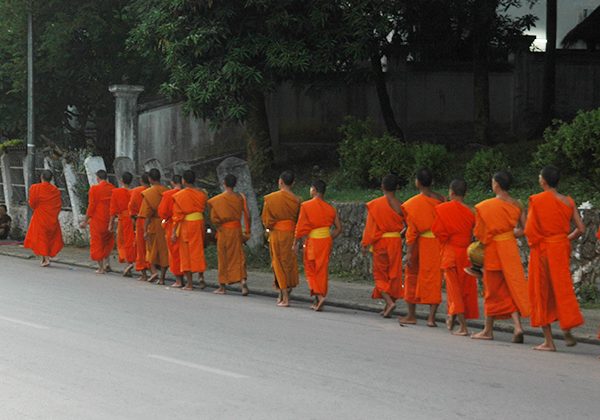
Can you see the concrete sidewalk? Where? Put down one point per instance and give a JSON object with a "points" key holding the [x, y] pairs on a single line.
{"points": [[350, 295]]}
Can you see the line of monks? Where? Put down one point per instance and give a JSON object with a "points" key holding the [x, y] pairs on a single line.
{"points": [[158, 228]]}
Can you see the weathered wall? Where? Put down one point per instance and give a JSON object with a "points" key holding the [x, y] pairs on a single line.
{"points": [[347, 258]]}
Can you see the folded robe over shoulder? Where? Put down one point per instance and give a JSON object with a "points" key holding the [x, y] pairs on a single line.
{"points": [[135, 202], [119, 207], [316, 214], [226, 212], [506, 289], [189, 204], [44, 236], [423, 280], [453, 226], [157, 252], [387, 251], [102, 240], [165, 212], [279, 215], [551, 289]]}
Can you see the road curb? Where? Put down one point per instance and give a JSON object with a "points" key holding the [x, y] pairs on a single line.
{"points": [[530, 332]]}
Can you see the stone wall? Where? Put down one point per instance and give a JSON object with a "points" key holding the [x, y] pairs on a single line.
{"points": [[346, 257]]}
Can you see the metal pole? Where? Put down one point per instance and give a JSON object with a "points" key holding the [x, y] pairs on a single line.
{"points": [[30, 159]]}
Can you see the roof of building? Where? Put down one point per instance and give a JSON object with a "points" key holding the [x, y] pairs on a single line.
{"points": [[588, 31]]}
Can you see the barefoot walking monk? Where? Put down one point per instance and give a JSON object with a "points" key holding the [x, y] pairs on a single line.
{"points": [[44, 236], [549, 234], [135, 202], [157, 253], [279, 216], [188, 227], [382, 236], [423, 274], [226, 212], [314, 223], [453, 226], [165, 212], [498, 222], [102, 240], [121, 220]]}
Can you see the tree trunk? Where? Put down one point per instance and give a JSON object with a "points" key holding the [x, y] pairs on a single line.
{"points": [[384, 98], [258, 146], [483, 17], [549, 89]]}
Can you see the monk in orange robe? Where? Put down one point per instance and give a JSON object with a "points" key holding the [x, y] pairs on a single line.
{"points": [[314, 225], [44, 236], [382, 235], [165, 212], [549, 235], [423, 275], [279, 216], [121, 220], [135, 202], [157, 253], [453, 226], [102, 240], [188, 227], [498, 222], [226, 212]]}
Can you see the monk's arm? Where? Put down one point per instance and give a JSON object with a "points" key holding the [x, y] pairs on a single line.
{"points": [[579, 226], [337, 227], [91, 208], [246, 215], [519, 230]]}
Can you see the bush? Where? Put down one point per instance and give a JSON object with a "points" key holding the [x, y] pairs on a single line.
{"points": [[354, 151], [388, 155], [574, 147], [432, 156], [483, 165], [7, 144]]}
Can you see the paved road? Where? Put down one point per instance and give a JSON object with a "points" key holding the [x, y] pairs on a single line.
{"points": [[79, 346]]}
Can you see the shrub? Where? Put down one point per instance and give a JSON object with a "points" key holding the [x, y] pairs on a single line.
{"points": [[354, 150], [574, 147], [432, 156], [10, 143], [388, 155], [483, 165]]}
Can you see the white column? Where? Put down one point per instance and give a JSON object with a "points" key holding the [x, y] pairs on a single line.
{"points": [[126, 120], [6, 180]]}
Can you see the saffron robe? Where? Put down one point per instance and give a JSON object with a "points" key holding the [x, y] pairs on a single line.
{"points": [[135, 202], [316, 214], [551, 289], [190, 203], [453, 226], [279, 216], [226, 212], [102, 240], [387, 252], [423, 280], [119, 207], [165, 212], [506, 289], [44, 236], [157, 252]]}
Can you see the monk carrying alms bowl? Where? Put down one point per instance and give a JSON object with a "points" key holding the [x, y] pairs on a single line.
{"points": [[475, 252]]}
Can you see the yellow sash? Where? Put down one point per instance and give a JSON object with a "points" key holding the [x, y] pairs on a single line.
{"points": [[320, 233], [427, 234], [505, 236], [391, 235], [192, 217]]}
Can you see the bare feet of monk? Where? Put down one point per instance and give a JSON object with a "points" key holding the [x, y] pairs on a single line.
{"points": [[45, 262], [143, 277], [431, 323], [482, 335], [152, 278], [405, 320], [188, 287], [319, 305], [461, 333], [544, 347], [283, 304], [177, 284], [450, 320], [245, 290], [569, 339], [128, 270], [518, 337], [100, 271], [387, 312], [220, 291], [108, 269]]}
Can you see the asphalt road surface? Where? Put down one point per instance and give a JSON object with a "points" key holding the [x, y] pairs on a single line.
{"points": [[75, 345]]}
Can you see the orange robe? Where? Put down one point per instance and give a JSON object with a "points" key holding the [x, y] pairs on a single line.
{"points": [[316, 214], [506, 288], [453, 226], [102, 240], [551, 289], [188, 216], [44, 236], [226, 211], [157, 252], [119, 207], [423, 280], [279, 215], [135, 202], [165, 212], [387, 251]]}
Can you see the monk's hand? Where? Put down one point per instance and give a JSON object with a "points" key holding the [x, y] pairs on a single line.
{"points": [[518, 232], [364, 250], [83, 224]]}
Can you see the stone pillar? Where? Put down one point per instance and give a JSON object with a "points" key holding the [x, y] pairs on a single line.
{"points": [[126, 120], [72, 181], [6, 180], [92, 165]]}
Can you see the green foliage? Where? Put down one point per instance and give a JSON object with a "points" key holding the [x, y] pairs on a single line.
{"points": [[483, 165], [574, 147], [10, 143], [433, 156]]}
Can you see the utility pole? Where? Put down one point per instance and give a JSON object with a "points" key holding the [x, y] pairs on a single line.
{"points": [[30, 158]]}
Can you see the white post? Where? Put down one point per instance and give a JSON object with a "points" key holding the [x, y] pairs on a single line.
{"points": [[71, 181], [126, 120], [6, 180]]}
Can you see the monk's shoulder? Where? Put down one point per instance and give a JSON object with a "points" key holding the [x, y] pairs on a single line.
{"points": [[438, 197]]}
